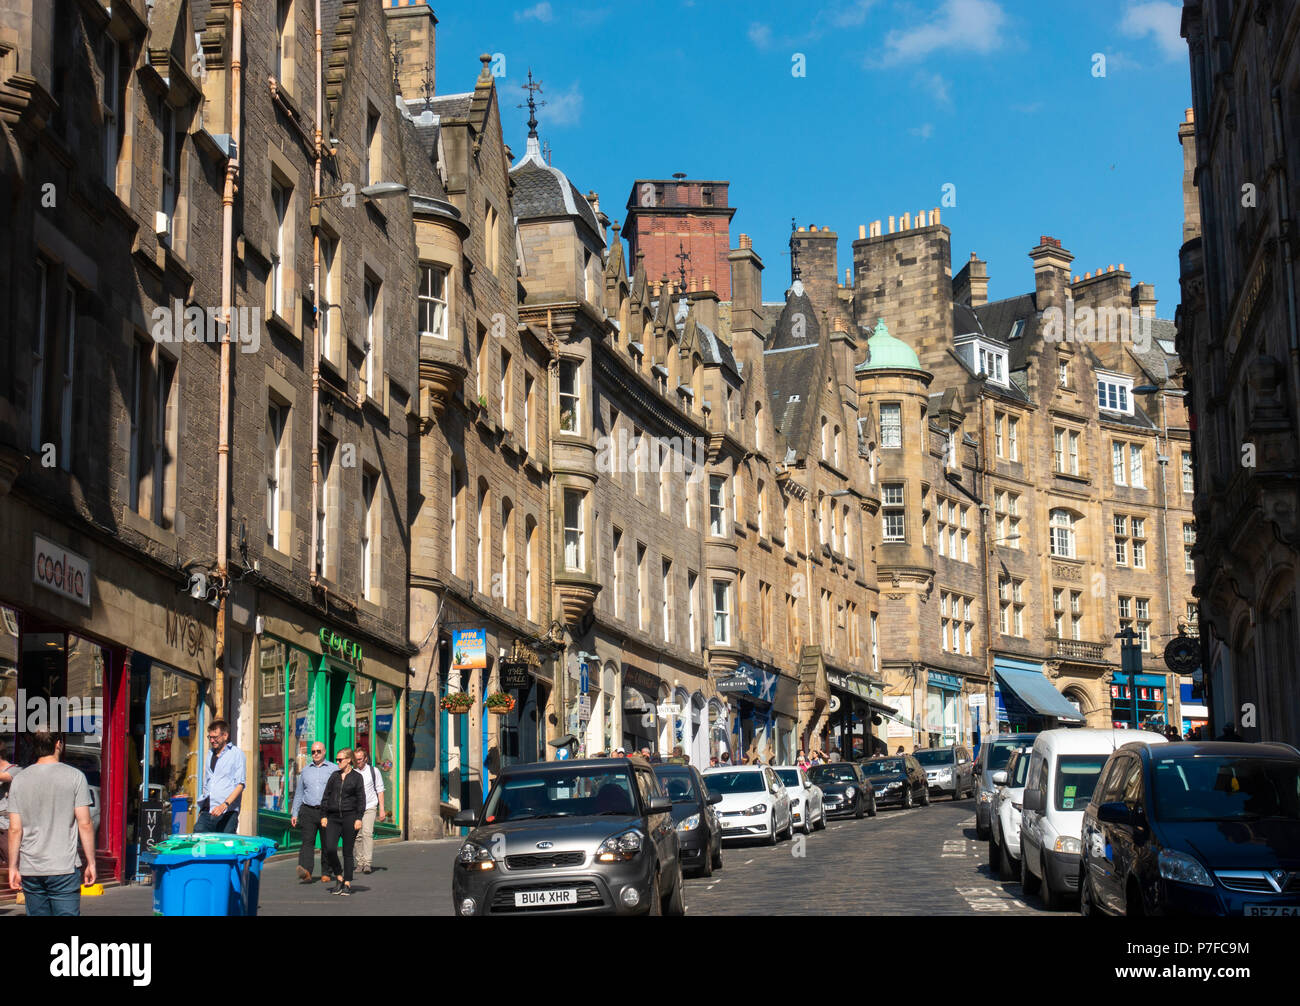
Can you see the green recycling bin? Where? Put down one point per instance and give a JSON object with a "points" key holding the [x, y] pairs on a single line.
{"points": [[208, 874]]}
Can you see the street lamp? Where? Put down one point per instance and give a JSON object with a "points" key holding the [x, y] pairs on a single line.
{"points": [[1130, 662], [380, 190]]}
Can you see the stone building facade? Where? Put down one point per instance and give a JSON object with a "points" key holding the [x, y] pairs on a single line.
{"points": [[1237, 336]]}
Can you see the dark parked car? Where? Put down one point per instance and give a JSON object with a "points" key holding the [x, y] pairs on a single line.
{"points": [[699, 832], [948, 770], [992, 757], [1194, 829], [845, 790], [897, 779], [593, 835]]}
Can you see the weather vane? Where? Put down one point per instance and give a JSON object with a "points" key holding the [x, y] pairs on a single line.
{"points": [[397, 62], [794, 254], [682, 257], [426, 85], [533, 88]]}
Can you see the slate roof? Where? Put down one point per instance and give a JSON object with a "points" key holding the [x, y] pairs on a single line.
{"points": [[542, 190], [714, 351], [450, 106], [793, 367], [1158, 365]]}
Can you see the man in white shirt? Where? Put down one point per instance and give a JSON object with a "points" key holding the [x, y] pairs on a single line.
{"points": [[374, 783]]}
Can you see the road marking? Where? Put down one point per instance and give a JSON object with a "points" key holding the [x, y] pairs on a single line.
{"points": [[991, 899], [748, 861]]}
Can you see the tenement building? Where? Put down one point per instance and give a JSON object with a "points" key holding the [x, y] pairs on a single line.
{"points": [[1237, 336]]}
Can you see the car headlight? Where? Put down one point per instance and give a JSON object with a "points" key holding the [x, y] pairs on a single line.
{"points": [[473, 856], [893, 785], [689, 823], [1183, 868], [758, 808], [625, 846], [849, 791], [1067, 843], [986, 796], [944, 773]]}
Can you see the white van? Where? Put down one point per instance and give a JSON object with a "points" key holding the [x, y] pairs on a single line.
{"points": [[1063, 769]]}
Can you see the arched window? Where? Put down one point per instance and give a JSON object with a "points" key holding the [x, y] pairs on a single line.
{"points": [[758, 504], [532, 561], [825, 440], [839, 443], [821, 518], [507, 585], [484, 563], [758, 426], [1062, 530]]}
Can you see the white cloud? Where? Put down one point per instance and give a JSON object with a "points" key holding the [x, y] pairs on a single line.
{"points": [[970, 25], [924, 131], [1159, 20], [541, 12], [936, 85], [760, 34], [849, 15], [564, 108], [829, 18]]}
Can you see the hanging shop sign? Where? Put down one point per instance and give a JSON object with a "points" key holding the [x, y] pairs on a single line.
{"points": [[64, 572], [340, 647], [515, 676], [469, 649], [1183, 654]]}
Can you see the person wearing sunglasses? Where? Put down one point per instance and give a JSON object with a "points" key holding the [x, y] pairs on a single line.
{"points": [[342, 807], [306, 813]]}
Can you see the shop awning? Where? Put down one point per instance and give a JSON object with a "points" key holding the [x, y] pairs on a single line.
{"points": [[1038, 693]]}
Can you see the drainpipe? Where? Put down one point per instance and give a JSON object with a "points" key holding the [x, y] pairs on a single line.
{"points": [[227, 304], [1284, 236], [315, 299], [986, 549]]}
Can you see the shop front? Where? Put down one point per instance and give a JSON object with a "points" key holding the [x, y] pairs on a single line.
{"points": [[943, 719], [526, 679], [1026, 701], [1193, 713], [763, 706], [322, 687], [1139, 701], [640, 702], [858, 711]]}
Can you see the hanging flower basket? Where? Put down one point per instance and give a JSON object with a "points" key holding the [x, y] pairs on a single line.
{"points": [[458, 703], [500, 703]]}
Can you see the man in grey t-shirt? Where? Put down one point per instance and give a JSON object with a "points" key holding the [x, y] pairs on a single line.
{"points": [[49, 815]]}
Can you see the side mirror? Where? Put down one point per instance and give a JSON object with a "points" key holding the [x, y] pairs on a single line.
{"points": [[659, 805], [1114, 813], [715, 798], [999, 778], [464, 819], [1034, 800]]}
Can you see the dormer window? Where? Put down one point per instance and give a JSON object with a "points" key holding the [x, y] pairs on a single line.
{"points": [[987, 359], [1115, 393], [993, 364]]}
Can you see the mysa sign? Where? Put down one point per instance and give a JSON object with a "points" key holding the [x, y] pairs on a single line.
{"points": [[61, 571]]}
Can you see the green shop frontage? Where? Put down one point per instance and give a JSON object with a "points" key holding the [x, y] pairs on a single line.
{"points": [[324, 686]]}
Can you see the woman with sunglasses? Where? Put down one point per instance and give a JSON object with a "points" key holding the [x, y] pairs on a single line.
{"points": [[342, 808]]}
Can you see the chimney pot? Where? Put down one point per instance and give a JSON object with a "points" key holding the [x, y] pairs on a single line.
{"points": [[862, 231], [891, 225], [1121, 267]]}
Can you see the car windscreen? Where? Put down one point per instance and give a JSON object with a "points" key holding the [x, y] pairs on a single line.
{"points": [[1000, 754], [1226, 789], [1020, 771], [942, 757], [576, 793], [1076, 777], [886, 766], [679, 786], [735, 782], [789, 776], [832, 773]]}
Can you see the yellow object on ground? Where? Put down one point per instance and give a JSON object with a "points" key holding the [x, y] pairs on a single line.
{"points": [[92, 890]]}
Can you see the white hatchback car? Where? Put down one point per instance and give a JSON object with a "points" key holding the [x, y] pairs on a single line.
{"points": [[754, 803], [1004, 814], [806, 802]]}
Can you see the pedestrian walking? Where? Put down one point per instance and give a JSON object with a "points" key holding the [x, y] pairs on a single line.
{"points": [[305, 814], [49, 822], [1230, 734], [713, 761], [725, 759], [342, 807], [802, 761], [223, 787], [900, 750], [7, 772], [374, 783]]}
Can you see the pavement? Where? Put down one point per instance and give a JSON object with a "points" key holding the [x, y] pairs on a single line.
{"points": [[923, 861], [409, 878]]}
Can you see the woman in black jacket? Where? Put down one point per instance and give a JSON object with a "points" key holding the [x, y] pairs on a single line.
{"points": [[342, 808]]}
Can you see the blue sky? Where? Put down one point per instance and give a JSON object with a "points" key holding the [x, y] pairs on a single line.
{"points": [[998, 98]]}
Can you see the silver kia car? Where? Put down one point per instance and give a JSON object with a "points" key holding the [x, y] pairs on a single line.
{"points": [[591, 836]]}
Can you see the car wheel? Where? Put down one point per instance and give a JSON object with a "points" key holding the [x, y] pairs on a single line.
{"points": [[858, 809], [1028, 881], [771, 829], [1051, 899], [982, 832], [789, 828], [717, 857], [656, 898], [871, 810], [675, 903], [995, 853], [925, 798], [1086, 906], [1007, 865], [907, 798], [822, 825], [808, 825], [707, 869]]}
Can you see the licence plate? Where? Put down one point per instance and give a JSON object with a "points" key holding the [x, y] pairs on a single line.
{"points": [[1289, 910], [535, 899]]}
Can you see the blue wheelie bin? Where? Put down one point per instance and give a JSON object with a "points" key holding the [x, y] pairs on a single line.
{"points": [[208, 874]]}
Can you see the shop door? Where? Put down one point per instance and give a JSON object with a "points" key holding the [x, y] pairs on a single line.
{"points": [[342, 708]]}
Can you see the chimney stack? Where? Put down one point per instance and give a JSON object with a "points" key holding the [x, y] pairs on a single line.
{"points": [[411, 26], [971, 285], [1051, 272]]}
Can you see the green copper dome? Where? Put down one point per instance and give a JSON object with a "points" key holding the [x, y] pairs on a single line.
{"points": [[886, 352]]}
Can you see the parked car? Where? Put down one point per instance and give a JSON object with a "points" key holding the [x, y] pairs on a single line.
{"points": [[845, 790], [897, 779], [806, 803], [948, 770], [993, 757], [1004, 820], [1064, 767], [591, 835], [699, 832], [754, 803], [1194, 829]]}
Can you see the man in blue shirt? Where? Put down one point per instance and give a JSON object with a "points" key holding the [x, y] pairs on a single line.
{"points": [[223, 786], [306, 805]]}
